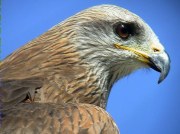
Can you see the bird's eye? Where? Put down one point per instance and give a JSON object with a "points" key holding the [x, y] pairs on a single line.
{"points": [[123, 30]]}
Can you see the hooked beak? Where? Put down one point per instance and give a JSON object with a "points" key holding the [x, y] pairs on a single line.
{"points": [[161, 63], [158, 61]]}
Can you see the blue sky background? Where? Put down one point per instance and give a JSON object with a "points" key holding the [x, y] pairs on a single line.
{"points": [[137, 103]]}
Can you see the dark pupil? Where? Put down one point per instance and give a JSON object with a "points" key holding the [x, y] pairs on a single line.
{"points": [[123, 31]]}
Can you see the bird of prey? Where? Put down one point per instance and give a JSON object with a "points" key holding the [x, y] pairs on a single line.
{"points": [[60, 81]]}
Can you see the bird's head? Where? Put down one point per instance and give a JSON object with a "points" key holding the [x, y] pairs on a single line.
{"points": [[114, 39]]}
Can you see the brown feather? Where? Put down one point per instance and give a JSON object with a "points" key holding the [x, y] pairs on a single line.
{"points": [[53, 62], [51, 118]]}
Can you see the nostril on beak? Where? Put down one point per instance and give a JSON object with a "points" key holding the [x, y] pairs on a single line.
{"points": [[156, 50]]}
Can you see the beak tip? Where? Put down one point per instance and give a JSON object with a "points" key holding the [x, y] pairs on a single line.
{"points": [[160, 80], [161, 63], [163, 75]]}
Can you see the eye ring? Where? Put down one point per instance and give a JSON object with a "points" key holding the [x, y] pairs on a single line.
{"points": [[123, 30]]}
